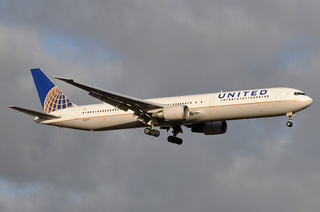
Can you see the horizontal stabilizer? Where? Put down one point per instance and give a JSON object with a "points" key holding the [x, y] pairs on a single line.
{"points": [[34, 113]]}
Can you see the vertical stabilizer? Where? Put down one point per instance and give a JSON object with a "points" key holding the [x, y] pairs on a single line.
{"points": [[51, 97]]}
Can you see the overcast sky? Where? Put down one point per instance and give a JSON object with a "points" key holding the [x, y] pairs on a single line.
{"points": [[151, 49]]}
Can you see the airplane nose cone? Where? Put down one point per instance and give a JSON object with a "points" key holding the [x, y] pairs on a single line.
{"points": [[308, 101]]}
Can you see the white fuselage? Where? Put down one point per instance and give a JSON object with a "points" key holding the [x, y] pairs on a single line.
{"points": [[204, 108]]}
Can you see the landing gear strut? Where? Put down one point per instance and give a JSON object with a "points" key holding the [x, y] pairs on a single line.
{"points": [[152, 132], [174, 139], [290, 116]]}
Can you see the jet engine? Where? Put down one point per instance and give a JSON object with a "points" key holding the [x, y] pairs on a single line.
{"points": [[211, 128], [173, 113]]}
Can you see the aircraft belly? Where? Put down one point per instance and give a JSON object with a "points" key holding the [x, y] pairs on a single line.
{"points": [[101, 123], [118, 122]]}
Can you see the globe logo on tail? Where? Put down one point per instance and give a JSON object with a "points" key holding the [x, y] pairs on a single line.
{"points": [[56, 100]]}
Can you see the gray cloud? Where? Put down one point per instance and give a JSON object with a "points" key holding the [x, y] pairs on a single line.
{"points": [[151, 49]]}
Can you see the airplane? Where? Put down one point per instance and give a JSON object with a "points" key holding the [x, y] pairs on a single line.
{"points": [[203, 113]]}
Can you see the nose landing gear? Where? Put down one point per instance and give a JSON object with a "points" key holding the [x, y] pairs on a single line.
{"points": [[290, 116]]}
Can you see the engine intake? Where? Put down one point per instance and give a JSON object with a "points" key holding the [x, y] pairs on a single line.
{"points": [[213, 128], [173, 113]]}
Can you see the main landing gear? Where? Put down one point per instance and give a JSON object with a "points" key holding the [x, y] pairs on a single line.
{"points": [[174, 139], [152, 132], [290, 116]]}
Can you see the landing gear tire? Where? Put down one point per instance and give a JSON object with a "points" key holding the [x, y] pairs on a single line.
{"points": [[175, 140], [170, 139], [289, 124], [147, 131], [155, 133]]}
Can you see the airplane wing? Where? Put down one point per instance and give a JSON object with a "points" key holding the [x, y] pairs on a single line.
{"points": [[34, 113], [120, 101]]}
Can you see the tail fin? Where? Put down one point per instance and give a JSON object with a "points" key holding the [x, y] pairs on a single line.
{"points": [[51, 97]]}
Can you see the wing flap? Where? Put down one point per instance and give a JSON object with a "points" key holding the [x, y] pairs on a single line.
{"points": [[34, 113], [112, 102]]}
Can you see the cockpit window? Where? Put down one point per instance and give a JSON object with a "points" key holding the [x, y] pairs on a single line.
{"points": [[299, 93]]}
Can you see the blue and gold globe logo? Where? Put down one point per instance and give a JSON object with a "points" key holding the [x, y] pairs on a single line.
{"points": [[56, 100]]}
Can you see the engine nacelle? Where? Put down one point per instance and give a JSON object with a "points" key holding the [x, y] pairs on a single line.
{"points": [[173, 113], [213, 128]]}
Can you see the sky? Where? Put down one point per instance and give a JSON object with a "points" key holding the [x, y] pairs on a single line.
{"points": [[148, 49]]}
